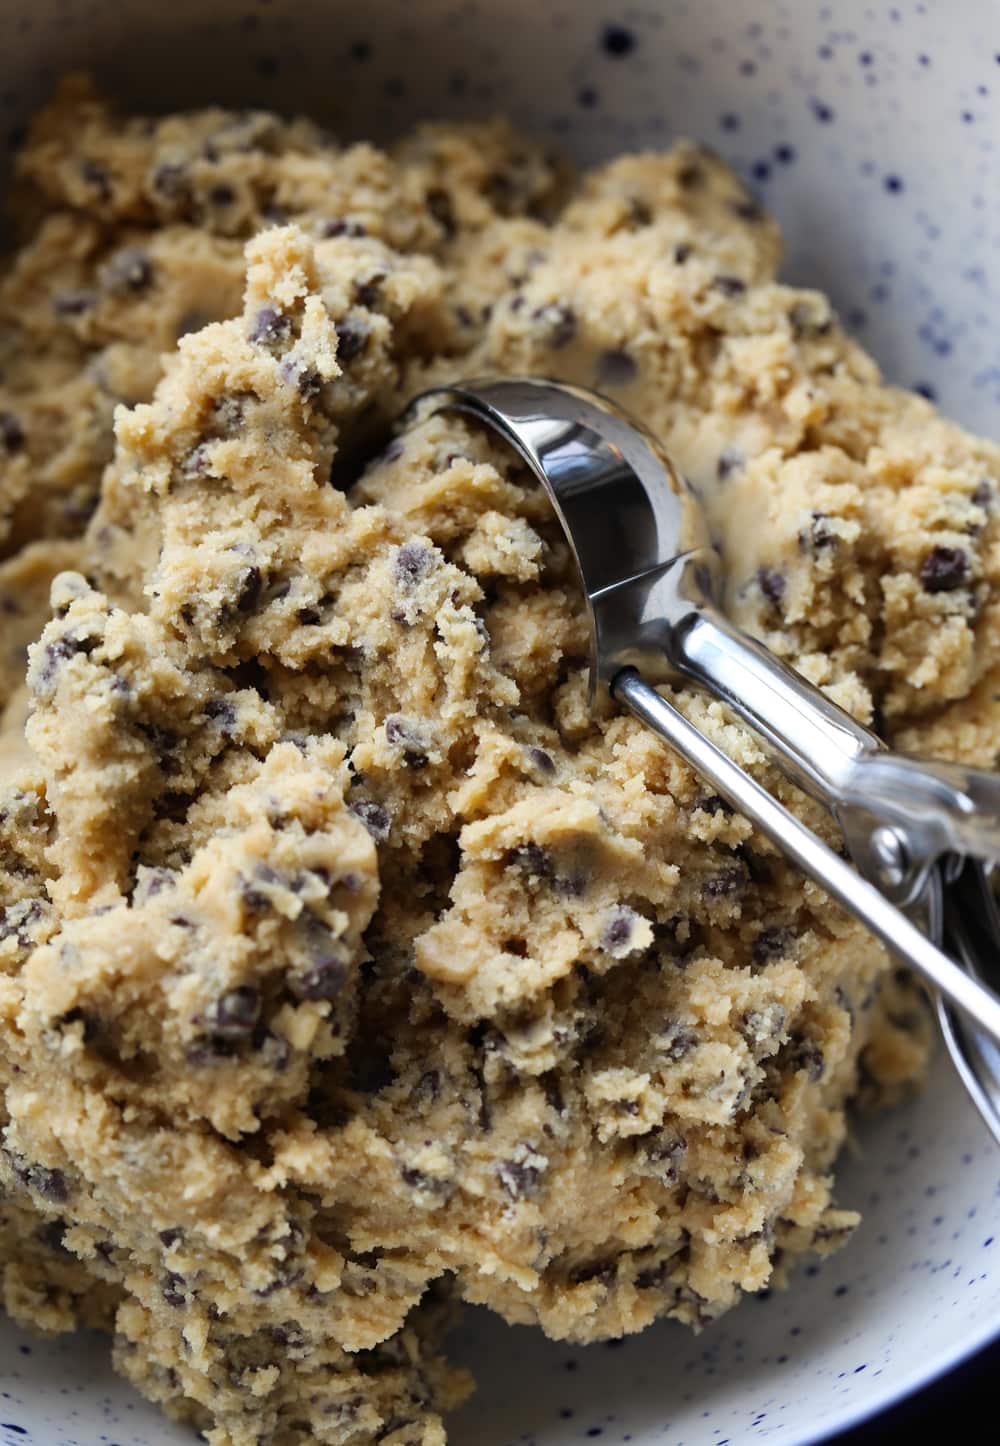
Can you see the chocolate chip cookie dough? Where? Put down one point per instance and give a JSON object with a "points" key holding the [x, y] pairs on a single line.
{"points": [[348, 967]]}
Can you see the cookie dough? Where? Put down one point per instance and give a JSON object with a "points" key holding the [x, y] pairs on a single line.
{"points": [[348, 967]]}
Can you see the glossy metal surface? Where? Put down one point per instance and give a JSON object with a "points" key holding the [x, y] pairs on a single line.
{"points": [[917, 831]]}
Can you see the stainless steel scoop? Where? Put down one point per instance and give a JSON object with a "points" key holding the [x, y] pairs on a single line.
{"points": [[922, 835]]}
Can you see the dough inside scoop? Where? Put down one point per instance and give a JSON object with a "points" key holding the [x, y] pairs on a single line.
{"points": [[348, 967]]}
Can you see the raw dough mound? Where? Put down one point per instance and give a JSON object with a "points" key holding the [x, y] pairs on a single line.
{"points": [[348, 966]]}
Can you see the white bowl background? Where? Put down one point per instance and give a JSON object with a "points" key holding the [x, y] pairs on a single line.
{"points": [[872, 131]]}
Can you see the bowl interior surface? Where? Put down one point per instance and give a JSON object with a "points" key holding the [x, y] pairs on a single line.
{"points": [[870, 132]]}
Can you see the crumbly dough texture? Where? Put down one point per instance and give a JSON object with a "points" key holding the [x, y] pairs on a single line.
{"points": [[348, 967]]}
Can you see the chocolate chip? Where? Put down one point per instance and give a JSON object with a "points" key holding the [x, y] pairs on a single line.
{"points": [[771, 583], [553, 1093], [236, 1013], [675, 1041], [73, 303], [342, 226], [557, 323], [747, 209], [616, 369], [983, 496], [374, 817], [171, 1236], [602, 1272], [682, 252], [439, 204], [541, 760], [352, 338], [944, 569], [805, 1054], [367, 293], [531, 860], [729, 285], [97, 177], [518, 1178], [270, 326], [170, 179], [412, 564], [12, 437], [771, 943], [50, 1184], [619, 930], [221, 711], [401, 733], [663, 1154], [173, 1290], [324, 980], [248, 594], [729, 460], [128, 270], [728, 881], [308, 617], [819, 535]]}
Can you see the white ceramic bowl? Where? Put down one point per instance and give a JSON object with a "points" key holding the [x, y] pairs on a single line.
{"points": [[871, 132]]}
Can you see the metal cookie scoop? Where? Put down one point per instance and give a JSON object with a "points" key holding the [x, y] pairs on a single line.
{"points": [[921, 834]]}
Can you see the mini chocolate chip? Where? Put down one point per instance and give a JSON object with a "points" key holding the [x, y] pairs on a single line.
{"points": [[352, 338], [663, 1155], [324, 980], [771, 583], [553, 1093], [171, 1236], [541, 760], [249, 590], [367, 293], [983, 496], [805, 1054], [412, 564], [557, 322], [343, 226], [11, 434], [616, 369], [771, 943], [235, 1014], [426, 1089], [728, 881], [819, 535], [618, 931], [374, 817], [221, 195], [128, 270], [729, 285], [682, 252], [221, 711], [439, 204], [675, 1041], [747, 209], [409, 738], [308, 617], [170, 179], [98, 177], [729, 460], [518, 1178], [601, 1272], [531, 860], [270, 326], [173, 1290], [50, 1184], [944, 569], [74, 303]]}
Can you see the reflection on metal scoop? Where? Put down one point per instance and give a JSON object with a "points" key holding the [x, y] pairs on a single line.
{"points": [[921, 834]]}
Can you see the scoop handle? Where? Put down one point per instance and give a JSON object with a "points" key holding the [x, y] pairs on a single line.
{"points": [[899, 815], [814, 858]]}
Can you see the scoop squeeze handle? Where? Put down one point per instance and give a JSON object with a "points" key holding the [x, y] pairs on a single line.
{"points": [[813, 857]]}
